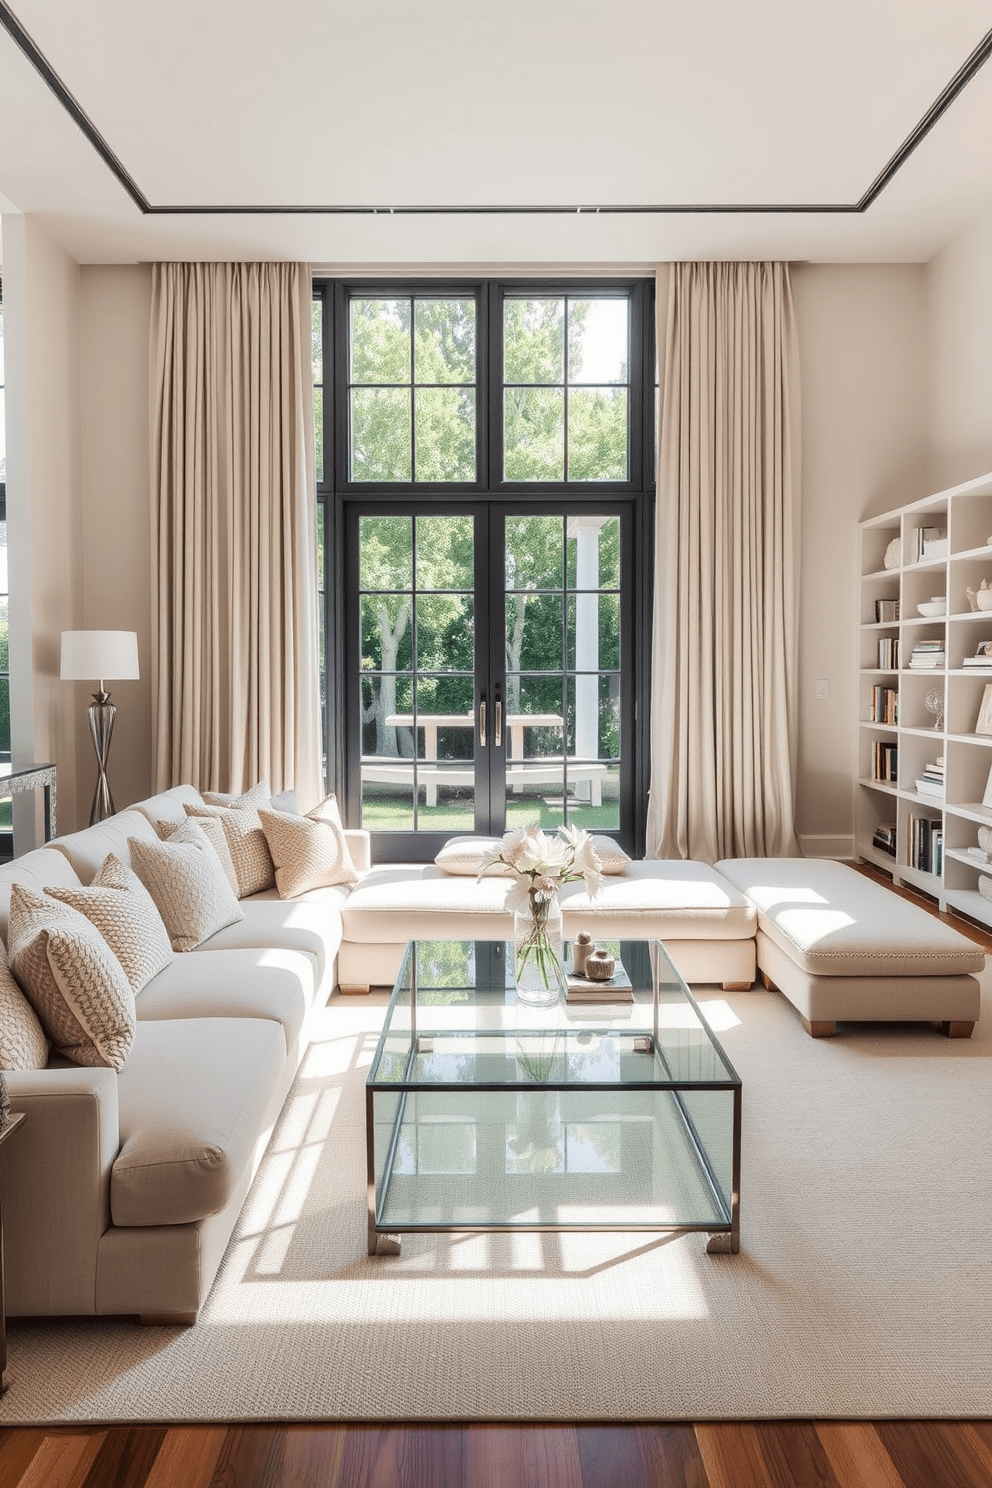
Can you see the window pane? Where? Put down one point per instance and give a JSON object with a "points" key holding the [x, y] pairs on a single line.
{"points": [[593, 631], [380, 341], [534, 434], [534, 552], [444, 632], [597, 341], [318, 429], [387, 643], [445, 553], [385, 553], [4, 634], [445, 434], [3, 435], [542, 639], [444, 347], [597, 434], [534, 341], [317, 339], [381, 445], [5, 719], [4, 586]]}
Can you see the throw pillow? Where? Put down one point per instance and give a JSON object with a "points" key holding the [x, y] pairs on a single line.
{"points": [[210, 826], [309, 852], [259, 795], [125, 914], [72, 979], [612, 858], [23, 1045], [189, 887], [245, 838], [462, 855]]}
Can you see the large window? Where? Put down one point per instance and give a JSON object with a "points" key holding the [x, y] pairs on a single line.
{"points": [[4, 585], [485, 475]]}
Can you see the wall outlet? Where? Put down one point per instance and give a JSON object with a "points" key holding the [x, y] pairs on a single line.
{"points": [[822, 691]]}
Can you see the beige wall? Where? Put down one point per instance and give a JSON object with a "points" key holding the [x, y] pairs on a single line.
{"points": [[959, 357], [861, 336]]}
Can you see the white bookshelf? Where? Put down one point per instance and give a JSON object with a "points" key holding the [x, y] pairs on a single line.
{"points": [[965, 512]]}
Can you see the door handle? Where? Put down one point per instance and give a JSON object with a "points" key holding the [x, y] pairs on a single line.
{"points": [[482, 724], [499, 723]]}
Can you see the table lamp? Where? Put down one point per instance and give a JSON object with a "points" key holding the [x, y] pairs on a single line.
{"points": [[100, 655]]}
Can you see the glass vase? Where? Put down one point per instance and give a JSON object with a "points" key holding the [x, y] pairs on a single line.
{"points": [[537, 951]]}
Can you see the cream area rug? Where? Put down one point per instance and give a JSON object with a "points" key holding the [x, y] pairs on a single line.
{"points": [[863, 1288]]}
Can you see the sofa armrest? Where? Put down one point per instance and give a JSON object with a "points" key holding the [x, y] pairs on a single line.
{"points": [[359, 842], [55, 1188]]}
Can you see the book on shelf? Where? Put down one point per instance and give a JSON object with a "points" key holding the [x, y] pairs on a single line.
{"points": [[925, 850], [888, 653], [931, 542], [928, 654], [886, 611], [883, 705], [885, 761], [978, 661], [884, 838]]}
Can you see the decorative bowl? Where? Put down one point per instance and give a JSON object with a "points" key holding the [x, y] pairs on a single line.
{"points": [[935, 607], [983, 598]]}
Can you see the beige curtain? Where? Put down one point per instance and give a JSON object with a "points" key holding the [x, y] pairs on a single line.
{"points": [[724, 698], [235, 684]]}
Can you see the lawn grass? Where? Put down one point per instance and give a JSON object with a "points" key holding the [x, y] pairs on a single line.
{"points": [[384, 813]]}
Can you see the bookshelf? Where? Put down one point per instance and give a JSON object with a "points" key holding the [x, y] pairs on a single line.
{"points": [[924, 759]]}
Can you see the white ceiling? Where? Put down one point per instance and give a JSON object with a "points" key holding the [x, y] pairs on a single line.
{"points": [[576, 103]]}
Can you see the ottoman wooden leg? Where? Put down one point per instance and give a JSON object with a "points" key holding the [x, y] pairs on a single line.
{"points": [[736, 986], [957, 1030], [767, 982], [354, 989], [819, 1029]]}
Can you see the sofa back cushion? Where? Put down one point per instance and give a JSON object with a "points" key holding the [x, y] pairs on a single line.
{"points": [[72, 978], [121, 908], [37, 870], [88, 850], [170, 805], [189, 887]]}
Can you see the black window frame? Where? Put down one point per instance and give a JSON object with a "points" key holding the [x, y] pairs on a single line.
{"points": [[337, 492]]}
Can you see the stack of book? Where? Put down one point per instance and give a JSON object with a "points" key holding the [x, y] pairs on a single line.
{"points": [[926, 844], [884, 838], [886, 611], [982, 656], [583, 989], [884, 705], [888, 653], [885, 761], [932, 782], [927, 655], [931, 542]]}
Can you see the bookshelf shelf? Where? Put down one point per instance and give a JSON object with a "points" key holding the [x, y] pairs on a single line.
{"points": [[942, 542]]}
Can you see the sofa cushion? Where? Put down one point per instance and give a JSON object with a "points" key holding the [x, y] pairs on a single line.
{"points": [[169, 805], [670, 898], [308, 852], [275, 984], [46, 865], [311, 923], [88, 850], [188, 885], [404, 901], [121, 908], [23, 1045], [192, 1101], [832, 921], [72, 979]]}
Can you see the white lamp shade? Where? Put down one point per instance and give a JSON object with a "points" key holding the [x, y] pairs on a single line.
{"points": [[99, 655]]}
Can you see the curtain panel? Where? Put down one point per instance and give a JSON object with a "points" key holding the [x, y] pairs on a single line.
{"points": [[725, 627], [234, 625]]}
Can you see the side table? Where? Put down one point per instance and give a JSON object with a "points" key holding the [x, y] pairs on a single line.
{"points": [[6, 1132], [15, 778]]}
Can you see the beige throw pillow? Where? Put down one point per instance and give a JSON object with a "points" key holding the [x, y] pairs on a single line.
{"points": [[309, 852], [23, 1045], [462, 856], [189, 887], [245, 838], [612, 858], [211, 827], [72, 978], [121, 908]]}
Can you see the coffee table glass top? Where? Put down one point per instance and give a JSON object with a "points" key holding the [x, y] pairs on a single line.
{"points": [[486, 1113]]}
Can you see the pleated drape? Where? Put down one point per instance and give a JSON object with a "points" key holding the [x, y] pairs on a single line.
{"points": [[724, 699], [235, 682]]}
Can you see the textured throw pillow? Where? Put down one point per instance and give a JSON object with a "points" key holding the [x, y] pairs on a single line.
{"points": [[72, 979], [189, 887], [23, 1045], [612, 858], [125, 914], [462, 855], [309, 852], [259, 795], [213, 831], [245, 838]]}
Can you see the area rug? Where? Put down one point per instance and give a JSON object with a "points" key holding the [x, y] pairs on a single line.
{"points": [[862, 1288]]}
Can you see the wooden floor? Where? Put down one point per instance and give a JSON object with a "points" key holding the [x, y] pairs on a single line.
{"points": [[771, 1454], [782, 1454]]}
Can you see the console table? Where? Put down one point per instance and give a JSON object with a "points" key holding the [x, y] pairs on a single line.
{"points": [[16, 778], [6, 1131]]}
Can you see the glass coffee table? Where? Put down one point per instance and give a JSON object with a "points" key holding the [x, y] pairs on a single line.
{"points": [[483, 1113]]}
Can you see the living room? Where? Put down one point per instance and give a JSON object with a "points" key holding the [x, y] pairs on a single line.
{"points": [[893, 310]]}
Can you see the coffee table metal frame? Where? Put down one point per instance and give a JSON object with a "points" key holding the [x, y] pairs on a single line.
{"points": [[724, 1233]]}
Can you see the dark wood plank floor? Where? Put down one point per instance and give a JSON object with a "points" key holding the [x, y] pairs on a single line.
{"points": [[764, 1454]]}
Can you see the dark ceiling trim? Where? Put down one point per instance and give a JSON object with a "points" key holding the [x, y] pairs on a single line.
{"points": [[937, 109]]}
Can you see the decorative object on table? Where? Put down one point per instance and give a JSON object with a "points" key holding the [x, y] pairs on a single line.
{"points": [[600, 965], [100, 655], [541, 865], [980, 598], [893, 554], [934, 606], [983, 724], [581, 946], [935, 704]]}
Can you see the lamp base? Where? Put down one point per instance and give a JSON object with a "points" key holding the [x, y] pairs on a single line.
{"points": [[101, 713]]}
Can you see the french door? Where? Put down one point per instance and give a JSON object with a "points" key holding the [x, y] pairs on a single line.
{"points": [[488, 679]]}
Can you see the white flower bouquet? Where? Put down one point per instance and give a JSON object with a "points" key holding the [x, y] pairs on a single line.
{"points": [[541, 865]]}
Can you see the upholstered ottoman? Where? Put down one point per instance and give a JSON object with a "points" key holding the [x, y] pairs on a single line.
{"points": [[845, 949], [707, 925]]}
